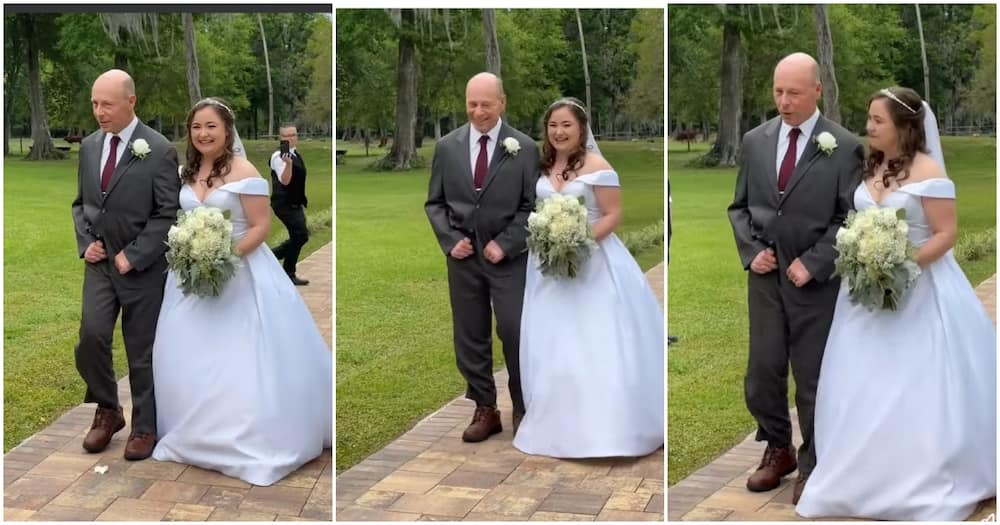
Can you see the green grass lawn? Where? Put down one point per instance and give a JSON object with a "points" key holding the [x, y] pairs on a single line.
{"points": [[707, 296], [395, 360], [43, 280]]}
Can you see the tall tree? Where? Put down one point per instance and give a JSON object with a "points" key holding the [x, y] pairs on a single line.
{"points": [[35, 27], [923, 55], [13, 70], [645, 100], [317, 111], [193, 73], [270, 86], [126, 29], [492, 46], [726, 150], [404, 151], [583, 54], [824, 45]]}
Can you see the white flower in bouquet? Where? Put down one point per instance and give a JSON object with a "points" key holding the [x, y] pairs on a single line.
{"points": [[559, 235], [876, 257], [202, 252]]}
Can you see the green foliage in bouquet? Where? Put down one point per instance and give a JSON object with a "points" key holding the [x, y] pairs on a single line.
{"points": [[876, 257], [559, 235], [202, 252]]}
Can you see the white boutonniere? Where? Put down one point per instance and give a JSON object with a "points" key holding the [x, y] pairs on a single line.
{"points": [[140, 148], [180, 172], [826, 143], [512, 146]]}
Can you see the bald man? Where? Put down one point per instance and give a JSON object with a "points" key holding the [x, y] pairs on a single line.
{"points": [[791, 198], [482, 189], [126, 201]]}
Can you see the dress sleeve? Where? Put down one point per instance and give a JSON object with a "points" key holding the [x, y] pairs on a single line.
{"points": [[935, 188], [248, 186], [600, 178]]}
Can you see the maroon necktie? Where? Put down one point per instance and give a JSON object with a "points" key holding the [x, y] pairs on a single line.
{"points": [[109, 166], [480, 174], [788, 163]]}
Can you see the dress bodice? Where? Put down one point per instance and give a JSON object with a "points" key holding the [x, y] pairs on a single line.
{"points": [[580, 186], [227, 197], [907, 197]]}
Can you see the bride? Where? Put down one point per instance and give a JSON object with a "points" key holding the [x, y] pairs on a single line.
{"points": [[243, 380], [906, 403], [591, 347]]}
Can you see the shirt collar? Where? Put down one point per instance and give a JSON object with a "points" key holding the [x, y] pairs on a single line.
{"points": [[806, 128], [125, 135], [474, 133]]}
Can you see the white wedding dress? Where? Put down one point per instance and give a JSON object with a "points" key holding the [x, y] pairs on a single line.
{"points": [[243, 380], [591, 351], [906, 402]]}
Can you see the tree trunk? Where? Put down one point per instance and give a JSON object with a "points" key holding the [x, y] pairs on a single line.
{"points": [[437, 129], [726, 150], [270, 87], [824, 43], [193, 73], [6, 130], [418, 135], [42, 147], [492, 46], [403, 151], [923, 56], [583, 51]]}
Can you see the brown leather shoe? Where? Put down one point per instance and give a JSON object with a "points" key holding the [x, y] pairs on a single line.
{"points": [[516, 420], [800, 485], [140, 445], [776, 463], [485, 423], [107, 421]]}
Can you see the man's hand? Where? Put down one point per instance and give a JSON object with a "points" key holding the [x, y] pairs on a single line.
{"points": [[764, 262], [493, 252], [95, 252], [121, 262], [798, 274], [462, 249]]}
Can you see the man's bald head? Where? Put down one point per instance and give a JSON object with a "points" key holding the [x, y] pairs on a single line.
{"points": [[113, 100], [486, 81], [120, 78], [797, 88], [484, 101], [800, 62]]}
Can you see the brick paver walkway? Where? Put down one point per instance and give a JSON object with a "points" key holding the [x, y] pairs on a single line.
{"points": [[718, 491], [429, 473], [49, 477]]}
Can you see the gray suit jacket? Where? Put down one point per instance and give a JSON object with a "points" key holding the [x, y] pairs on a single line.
{"points": [[140, 205], [803, 222], [499, 211]]}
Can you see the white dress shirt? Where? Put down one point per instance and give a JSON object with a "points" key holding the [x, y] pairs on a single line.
{"points": [[278, 163], [125, 136], [805, 135], [491, 144]]}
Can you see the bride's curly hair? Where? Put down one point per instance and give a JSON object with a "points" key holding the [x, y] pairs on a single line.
{"points": [[909, 130], [578, 155], [223, 164]]}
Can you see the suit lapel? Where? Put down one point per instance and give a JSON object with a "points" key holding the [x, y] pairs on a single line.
{"points": [[127, 158], [772, 146], [468, 177], [499, 157], [809, 156]]}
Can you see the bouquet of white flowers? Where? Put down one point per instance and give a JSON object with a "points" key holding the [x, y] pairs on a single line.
{"points": [[202, 253], [876, 258], [559, 235]]}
